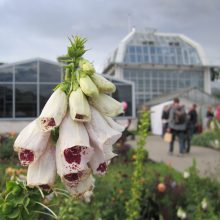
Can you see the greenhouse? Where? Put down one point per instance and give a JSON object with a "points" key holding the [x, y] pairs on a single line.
{"points": [[25, 86], [159, 63]]}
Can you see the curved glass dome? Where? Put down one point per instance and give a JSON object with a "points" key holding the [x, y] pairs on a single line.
{"points": [[155, 48]]}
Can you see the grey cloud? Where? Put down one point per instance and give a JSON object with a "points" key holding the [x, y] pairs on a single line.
{"points": [[40, 28]]}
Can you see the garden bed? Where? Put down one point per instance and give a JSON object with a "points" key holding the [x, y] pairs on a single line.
{"points": [[166, 191], [209, 139]]}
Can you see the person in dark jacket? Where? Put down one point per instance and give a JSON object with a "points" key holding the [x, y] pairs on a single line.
{"points": [[177, 125], [209, 116], [191, 126], [165, 119]]}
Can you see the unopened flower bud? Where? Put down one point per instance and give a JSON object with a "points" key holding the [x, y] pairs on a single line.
{"points": [[79, 106], [186, 174], [86, 67], [181, 213], [88, 87], [53, 111], [204, 204], [104, 85]]}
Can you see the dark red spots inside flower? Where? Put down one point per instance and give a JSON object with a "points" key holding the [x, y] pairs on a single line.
{"points": [[73, 176], [45, 187], [51, 122], [48, 122], [102, 167], [26, 157], [78, 116], [73, 154]]}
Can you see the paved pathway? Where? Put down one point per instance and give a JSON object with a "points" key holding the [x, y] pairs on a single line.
{"points": [[208, 160]]}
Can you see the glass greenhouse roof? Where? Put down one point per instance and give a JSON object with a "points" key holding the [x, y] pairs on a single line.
{"points": [[151, 47], [155, 49]]}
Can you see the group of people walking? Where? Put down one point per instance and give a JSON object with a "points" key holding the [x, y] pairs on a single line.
{"points": [[181, 124]]}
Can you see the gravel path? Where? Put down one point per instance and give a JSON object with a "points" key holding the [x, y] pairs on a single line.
{"points": [[208, 160]]}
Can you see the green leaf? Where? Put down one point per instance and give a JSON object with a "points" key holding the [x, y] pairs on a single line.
{"points": [[16, 190], [7, 208], [1, 201], [26, 202], [10, 185], [2, 217], [15, 213], [19, 200]]}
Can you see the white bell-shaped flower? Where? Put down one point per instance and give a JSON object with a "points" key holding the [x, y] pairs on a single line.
{"points": [[83, 187], [53, 111], [43, 171], [103, 85], [108, 152], [74, 143], [87, 196], [68, 172], [79, 106], [106, 105], [31, 143], [99, 130], [101, 158], [113, 124]]}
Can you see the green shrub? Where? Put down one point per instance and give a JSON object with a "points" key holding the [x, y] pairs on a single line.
{"points": [[20, 202], [207, 139], [6, 146], [112, 193]]}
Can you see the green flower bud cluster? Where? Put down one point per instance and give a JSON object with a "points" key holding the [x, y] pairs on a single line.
{"points": [[83, 85], [80, 72]]}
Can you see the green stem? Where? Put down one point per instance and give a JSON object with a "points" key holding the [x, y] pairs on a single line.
{"points": [[67, 75], [41, 192], [39, 203], [133, 206], [44, 213]]}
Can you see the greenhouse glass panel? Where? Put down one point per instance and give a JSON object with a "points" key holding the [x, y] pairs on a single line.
{"points": [[6, 101], [6, 74], [49, 72], [25, 100], [26, 72]]}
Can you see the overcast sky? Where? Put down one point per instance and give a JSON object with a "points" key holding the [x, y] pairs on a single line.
{"points": [[40, 28]]}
